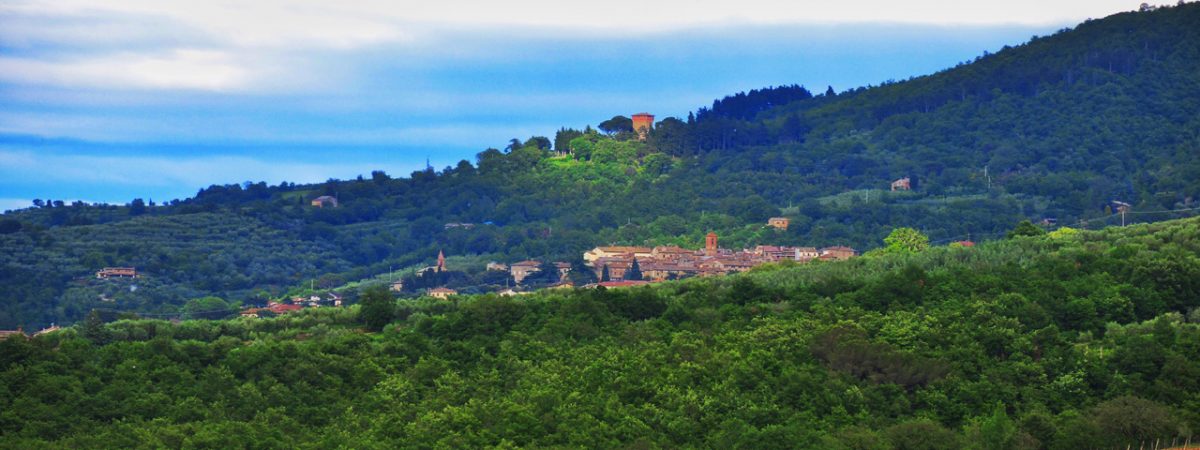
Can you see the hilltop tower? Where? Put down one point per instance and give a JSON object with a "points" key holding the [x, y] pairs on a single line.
{"points": [[642, 124], [710, 243], [441, 265]]}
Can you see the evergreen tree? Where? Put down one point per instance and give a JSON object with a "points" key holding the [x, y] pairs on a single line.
{"points": [[562, 139], [581, 274], [604, 274], [617, 124], [93, 328], [635, 271]]}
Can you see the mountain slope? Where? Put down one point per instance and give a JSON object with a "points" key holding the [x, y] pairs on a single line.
{"points": [[1056, 128], [1072, 340]]}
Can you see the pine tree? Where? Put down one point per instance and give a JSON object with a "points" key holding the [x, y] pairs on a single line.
{"points": [[93, 329], [604, 274]]}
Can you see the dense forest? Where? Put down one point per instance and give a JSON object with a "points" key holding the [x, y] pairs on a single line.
{"points": [[1057, 128], [1066, 340]]}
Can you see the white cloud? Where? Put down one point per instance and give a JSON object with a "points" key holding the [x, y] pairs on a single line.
{"points": [[364, 22], [177, 69], [221, 45], [260, 23]]}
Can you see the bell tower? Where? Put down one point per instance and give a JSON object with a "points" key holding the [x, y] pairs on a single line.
{"points": [[710, 243]]}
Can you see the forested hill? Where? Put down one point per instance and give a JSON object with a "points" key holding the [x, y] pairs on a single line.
{"points": [[1057, 128], [1070, 340]]}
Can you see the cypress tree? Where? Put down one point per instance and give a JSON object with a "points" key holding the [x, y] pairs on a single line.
{"points": [[634, 272]]}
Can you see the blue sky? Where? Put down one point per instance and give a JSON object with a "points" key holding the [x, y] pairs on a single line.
{"points": [[107, 101]]}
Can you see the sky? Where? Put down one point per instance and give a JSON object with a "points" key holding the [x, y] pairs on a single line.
{"points": [[106, 101]]}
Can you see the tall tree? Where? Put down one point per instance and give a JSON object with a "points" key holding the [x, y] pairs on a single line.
{"points": [[513, 144], [540, 142], [93, 329], [617, 124], [635, 271], [378, 308], [562, 139]]}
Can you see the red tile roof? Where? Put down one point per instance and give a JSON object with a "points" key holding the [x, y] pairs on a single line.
{"points": [[625, 283]]}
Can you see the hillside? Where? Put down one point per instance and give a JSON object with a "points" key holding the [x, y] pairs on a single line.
{"points": [[1061, 341], [1057, 128]]}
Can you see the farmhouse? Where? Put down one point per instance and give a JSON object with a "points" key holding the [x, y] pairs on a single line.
{"points": [[612, 251], [325, 200], [117, 272], [838, 252], [523, 269], [441, 293]]}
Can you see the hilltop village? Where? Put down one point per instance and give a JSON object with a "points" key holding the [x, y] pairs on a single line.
{"points": [[611, 266], [669, 263], [622, 266]]}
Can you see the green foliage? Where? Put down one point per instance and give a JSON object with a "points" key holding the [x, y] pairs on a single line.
{"points": [[378, 308], [905, 241], [209, 308], [1032, 131], [998, 432], [617, 124], [1063, 233], [9, 226], [989, 357], [581, 274], [1025, 229]]}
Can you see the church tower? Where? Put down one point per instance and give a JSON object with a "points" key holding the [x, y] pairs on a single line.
{"points": [[441, 265], [710, 243]]}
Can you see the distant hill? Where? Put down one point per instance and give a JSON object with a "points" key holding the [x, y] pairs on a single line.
{"points": [[1071, 340], [1057, 128]]}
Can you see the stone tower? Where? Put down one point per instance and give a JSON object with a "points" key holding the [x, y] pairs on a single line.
{"points": [[642, 123], [710, 243]]}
